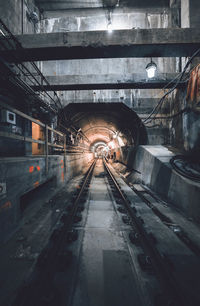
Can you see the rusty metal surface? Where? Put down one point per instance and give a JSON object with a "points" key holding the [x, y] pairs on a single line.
{"points": [[193, 90]]}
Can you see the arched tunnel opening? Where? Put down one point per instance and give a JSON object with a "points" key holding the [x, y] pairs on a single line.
{"points": [[106, 129]]}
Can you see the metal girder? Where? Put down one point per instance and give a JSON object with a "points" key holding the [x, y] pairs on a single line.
{"points": [[92, 12], [150, 84], [76, 4], [109, 81], [101, 44]]}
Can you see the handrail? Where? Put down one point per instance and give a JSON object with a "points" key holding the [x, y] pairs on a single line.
{"points": [[17, 112], [44, 142], [9, 38]]}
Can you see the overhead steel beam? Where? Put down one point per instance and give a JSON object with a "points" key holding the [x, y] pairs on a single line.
{"points": [[135, 85], [92, 12], [108, 81], [76, 4], [101, 44], [57, 4]]}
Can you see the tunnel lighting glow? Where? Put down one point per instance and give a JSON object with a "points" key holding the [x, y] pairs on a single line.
{"points": [[120, 141], [111, 144], [99, 143], [1, 32], [151, 69], [106, 149]]}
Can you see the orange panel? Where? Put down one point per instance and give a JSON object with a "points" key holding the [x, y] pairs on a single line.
{"points": [[36, 184], [31, 168], [37, 134]]}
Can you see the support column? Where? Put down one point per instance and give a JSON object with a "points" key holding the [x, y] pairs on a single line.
{"points": [[185, 14], [190, 12], [175, 13]]}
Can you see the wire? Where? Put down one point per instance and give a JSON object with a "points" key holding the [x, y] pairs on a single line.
{"points": [[153, 126], [18, 45], [180, 78], [193, 173], [155, 112], [179, 75], [184, 110]]}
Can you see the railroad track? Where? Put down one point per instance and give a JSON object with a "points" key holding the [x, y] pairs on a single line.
{"points": [[173, 293], [40, 289], [166, 220]]}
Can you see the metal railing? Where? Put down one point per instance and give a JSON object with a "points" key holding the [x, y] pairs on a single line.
{"points": [[47, 142], [28, 73], [20, 75]]}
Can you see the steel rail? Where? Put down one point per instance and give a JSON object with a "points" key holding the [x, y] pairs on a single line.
{"points": [[45, 276], [69, 220], [171, 287], [72, 213], [75, 204]]}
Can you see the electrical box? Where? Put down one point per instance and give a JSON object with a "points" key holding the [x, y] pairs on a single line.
{"points": [[8, 117], [37, 134]]}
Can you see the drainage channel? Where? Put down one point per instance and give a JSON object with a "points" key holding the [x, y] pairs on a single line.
{"points": [[55, 258], [150, 259]]}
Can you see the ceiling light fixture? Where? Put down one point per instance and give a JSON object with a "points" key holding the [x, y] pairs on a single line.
{"points": [[109, 24], [151, 69]]}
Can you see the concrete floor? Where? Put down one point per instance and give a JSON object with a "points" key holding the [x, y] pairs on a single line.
{"points": [[106, 274]]}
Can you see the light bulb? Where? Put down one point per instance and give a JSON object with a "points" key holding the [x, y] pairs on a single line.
{"points": [[151, 70]]}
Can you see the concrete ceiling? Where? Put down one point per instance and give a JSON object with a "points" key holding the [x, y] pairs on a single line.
{"points": [[85, 4]]}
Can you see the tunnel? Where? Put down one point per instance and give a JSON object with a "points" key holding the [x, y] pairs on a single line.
{"points": [[99, 153], [112, 125]]}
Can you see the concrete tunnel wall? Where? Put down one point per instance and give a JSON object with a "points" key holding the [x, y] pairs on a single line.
{"points": [[20, 175]]}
